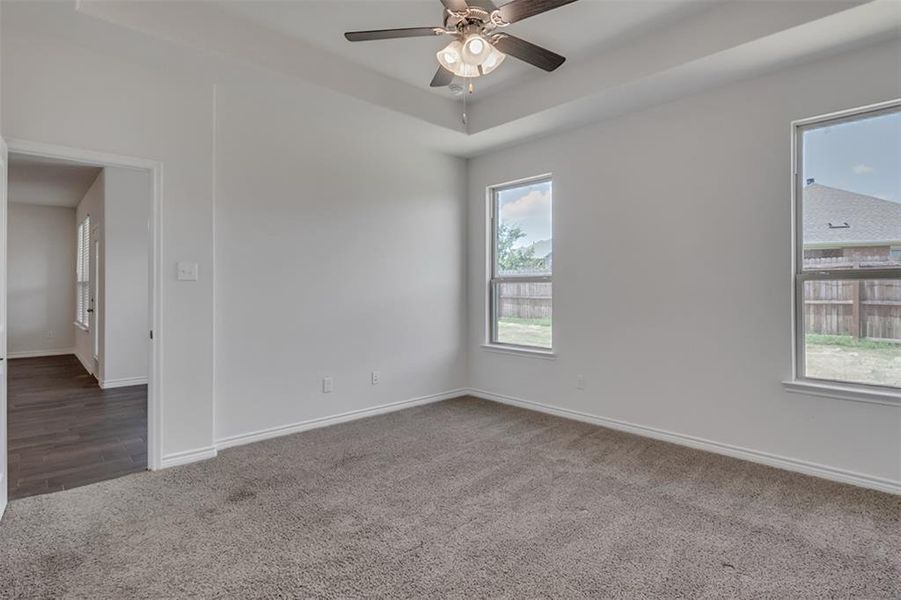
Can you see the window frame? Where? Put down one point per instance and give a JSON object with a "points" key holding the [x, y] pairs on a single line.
{"points": [[800, 381], [494, 280]]}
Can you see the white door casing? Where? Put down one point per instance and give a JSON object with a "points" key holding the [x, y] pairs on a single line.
{"points": [[94, 315], [4, 468], [154, 404]]}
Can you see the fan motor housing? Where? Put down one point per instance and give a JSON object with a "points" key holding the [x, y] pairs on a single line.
{"points": [[474, 19]]}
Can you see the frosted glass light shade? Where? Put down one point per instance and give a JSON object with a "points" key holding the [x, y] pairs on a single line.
{"points": [[493, 60], [453, 58], [451, 55], [475, 49]]}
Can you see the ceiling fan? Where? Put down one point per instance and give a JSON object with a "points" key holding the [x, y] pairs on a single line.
{"points": [[479, 43]]}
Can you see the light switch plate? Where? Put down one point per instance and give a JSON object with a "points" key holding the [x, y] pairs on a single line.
{"points": [[187, 271]]}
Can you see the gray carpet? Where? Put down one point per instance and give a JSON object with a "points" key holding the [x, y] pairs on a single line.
{"points": [[461, 499]]}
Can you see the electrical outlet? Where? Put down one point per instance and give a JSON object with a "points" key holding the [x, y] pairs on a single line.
{"points": [[328, 385], [376, 377], [580, 382], [187, 271]]}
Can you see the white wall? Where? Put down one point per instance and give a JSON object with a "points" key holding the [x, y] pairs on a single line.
{"points": [[58, 93], [672, 269], [126, 260], [339, 250], [92, 205], [41, 279], [340, 240]]}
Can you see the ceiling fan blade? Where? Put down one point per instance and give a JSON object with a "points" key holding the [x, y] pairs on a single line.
{"points": [[528, 52], [455, 5], [442, 78], [483, 4], [390, 34], [517, 10]]}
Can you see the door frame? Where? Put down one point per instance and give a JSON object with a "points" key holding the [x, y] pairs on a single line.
{"points": [[95, 316], [4, 415], [154, 375]]}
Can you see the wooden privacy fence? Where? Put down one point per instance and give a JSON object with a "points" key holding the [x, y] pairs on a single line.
{"points": [[869, 308], [527, 300], [859, 308]]}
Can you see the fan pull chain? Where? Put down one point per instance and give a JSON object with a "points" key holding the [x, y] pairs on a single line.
{"points": [[465, 120], [470, 88]]}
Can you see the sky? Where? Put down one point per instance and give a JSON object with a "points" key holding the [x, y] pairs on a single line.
{"points": [[529, 208], [861, 156]]}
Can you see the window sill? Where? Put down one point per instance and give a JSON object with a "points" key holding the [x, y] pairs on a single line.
{"points": [[542, 354], [80, 326], [843, 392]]}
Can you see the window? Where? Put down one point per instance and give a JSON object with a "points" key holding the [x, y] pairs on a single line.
{"points": [[848, 230], [520, 287], [83, 273]]}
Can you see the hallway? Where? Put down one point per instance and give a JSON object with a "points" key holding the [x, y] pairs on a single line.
{"points": [[65, 432]]}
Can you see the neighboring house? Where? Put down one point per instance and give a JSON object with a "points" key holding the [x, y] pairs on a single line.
{"points": [[542, 250], [844, 227]]}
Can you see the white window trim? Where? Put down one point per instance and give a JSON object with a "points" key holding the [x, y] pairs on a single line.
{"points": [[799, 383], [490, 344], [852, 392], [529, 351]]}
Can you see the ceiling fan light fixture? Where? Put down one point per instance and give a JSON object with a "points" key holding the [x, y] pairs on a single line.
{"points": [[455, 57], [493, 61], [451, 58], [475, 49], [451, 55]]}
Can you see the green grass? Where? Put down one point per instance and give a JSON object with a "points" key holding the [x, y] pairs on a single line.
{"points": [[521, 321], [524, 332], [846, 341]]}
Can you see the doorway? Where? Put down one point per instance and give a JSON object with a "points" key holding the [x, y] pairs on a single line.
{"points": [[82, 408]]}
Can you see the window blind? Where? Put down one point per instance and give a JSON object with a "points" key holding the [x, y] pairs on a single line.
{"points": [[82, 273]]}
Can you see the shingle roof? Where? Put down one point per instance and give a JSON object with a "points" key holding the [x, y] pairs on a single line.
{"points": [[542, 248], [869, 219]]}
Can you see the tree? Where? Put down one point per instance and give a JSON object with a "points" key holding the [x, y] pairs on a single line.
{"points": [[510, 259]]}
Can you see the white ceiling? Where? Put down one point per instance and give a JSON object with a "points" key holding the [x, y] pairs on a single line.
{"points": [[624, 55], [577, 31], [48, 182]]}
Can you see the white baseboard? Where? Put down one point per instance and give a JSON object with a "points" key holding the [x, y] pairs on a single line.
{"points": [[772, 460], [188, 456], [107, 384], [39, 353], [265, 434]]}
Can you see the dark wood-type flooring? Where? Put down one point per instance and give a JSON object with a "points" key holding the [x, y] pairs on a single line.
{"points": [[65, 432]]}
